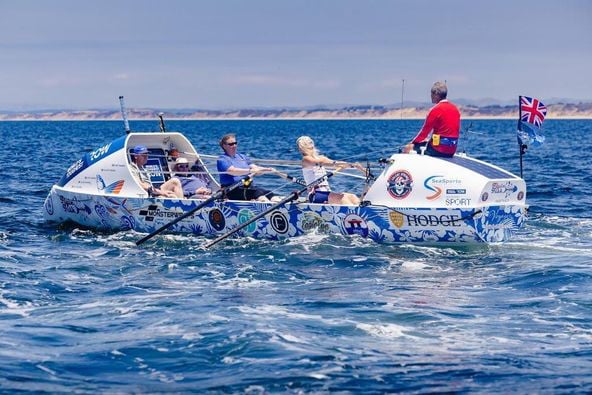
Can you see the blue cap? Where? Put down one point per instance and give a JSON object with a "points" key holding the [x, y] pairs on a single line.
{"points": [[140, 149]]}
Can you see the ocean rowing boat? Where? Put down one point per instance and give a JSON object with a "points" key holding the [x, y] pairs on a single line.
{"points": [[415, 199]]}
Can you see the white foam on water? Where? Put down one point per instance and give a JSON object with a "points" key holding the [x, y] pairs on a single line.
{"points": [[325, 373], [230, 360], [389, 331], [13, 307], [242, 282], [414, 266], [307, 240], [46, 370], [273, 312]]}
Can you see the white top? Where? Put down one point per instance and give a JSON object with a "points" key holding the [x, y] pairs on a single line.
{"points": [[311, 174]]}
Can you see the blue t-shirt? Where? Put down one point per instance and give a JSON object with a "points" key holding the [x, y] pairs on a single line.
{"points": [[224, 163], [191, 184]]}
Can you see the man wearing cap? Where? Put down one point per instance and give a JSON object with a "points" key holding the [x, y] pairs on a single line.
{"points": [[171, 188], [194, 185]]}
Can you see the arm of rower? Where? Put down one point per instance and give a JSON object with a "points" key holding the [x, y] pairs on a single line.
{"points": [[236, 171], [258, 169], [339, 163]]}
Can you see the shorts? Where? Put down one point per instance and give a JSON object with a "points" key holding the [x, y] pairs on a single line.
{"points": [[319, 197], [249, 193]]}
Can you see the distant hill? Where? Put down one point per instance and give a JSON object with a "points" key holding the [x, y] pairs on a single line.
{"points": [[555, 111]]}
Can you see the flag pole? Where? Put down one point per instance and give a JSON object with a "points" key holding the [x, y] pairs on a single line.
{"points": [[521, 144]]}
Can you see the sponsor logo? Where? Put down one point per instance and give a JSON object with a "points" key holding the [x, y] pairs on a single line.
{"points": [[506, 188], [313, 221], [397, 219], [49, 205], [154, 171], [153, 211], [436, 184], [520, 195], [484, 196], [74, 206], [74, 168], [458, 201], [400, 184], [456, 191], [355, 225], [434, 188], [243, 216], [217, 219], [424, 220], [113, 188], [279, 222], [99, 152]]}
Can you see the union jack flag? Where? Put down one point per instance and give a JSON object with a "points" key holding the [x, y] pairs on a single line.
{"points": [[532, 111]]}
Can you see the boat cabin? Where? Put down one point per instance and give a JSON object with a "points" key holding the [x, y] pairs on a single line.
{"points": [[107, 170]]}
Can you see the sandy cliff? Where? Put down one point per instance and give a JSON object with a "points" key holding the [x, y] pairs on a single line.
{"points": [[555, 111]]}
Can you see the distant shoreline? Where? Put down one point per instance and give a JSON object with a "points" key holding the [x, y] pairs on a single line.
{"points": [[73, 119], [554, 111]]}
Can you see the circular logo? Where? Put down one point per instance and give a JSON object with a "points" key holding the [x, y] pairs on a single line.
{"points": [[243, 216], [520, 195], [217, 219], [279, 222], [400, 184], [484, 196], [355, 225], [49, 205]]}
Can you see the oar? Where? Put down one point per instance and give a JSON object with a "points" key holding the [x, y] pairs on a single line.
{"points": [[289, 177], [293, 196], [189, 213]]}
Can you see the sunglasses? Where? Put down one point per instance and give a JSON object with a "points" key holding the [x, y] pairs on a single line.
{"points": [[232, 144], [182, 166]]}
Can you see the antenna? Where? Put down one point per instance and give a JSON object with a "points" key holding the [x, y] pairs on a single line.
{"points": [[162, 128], [402, 95], [124, 115]]}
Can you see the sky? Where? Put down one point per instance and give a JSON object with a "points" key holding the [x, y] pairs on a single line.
{"points": [[224, 54]]}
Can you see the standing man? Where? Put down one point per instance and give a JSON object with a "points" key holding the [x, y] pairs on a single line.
{"points": [[234, 167], [443, 122], [170, 189]]}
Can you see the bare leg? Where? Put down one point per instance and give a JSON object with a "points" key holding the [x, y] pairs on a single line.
{"points": [[336, 198], [173, 185], [351, 199]]}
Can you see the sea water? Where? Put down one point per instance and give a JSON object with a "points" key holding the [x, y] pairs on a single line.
{"points": [[90, 312]]}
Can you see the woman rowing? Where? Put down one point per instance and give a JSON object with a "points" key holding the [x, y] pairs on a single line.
{"points": [[313, 168]]}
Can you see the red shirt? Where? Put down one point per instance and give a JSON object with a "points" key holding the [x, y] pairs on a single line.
{"points": [[444, 120]]}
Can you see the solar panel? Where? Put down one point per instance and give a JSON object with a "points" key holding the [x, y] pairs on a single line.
{"points": [[478, 167]]}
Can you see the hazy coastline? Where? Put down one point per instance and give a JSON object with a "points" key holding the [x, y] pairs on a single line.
{"points": [[555, 111]]}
